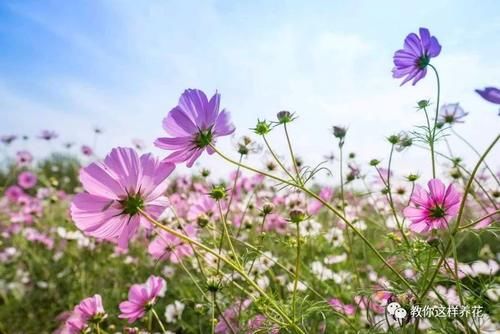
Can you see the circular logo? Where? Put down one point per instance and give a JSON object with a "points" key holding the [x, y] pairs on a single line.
{"points": [[400, 313], [392, 307]]}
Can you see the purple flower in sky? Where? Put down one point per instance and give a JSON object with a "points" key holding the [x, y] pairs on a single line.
{"points": [[490, 94], [8, 139], [48, 135], [451, 113], [24, 158], [87, 150], [193, 125], [411, 61]]}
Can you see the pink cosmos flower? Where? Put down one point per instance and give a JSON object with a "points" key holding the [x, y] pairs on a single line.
{"points": [[24, 158], [193, 125], [339, 306], [88, 310], [168, 246], [434, 209], [204, 206], [27, 180], [116, 190], [141, 297], [325, 194], [229, 323], [87, 150], [488, 221], [277, 223], [13, 193], [91, 307]]}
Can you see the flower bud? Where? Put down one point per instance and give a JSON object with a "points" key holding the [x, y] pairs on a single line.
{"points": [[262, 128], [267, 208], [339, 132], [218, 192], [394, 139], [285, 117], [412, 177], [374, 162], [423, 104], [202, 220], [297, 216]]}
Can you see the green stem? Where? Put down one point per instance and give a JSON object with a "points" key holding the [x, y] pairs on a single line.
{"points": [[463, 227], [297, 273], [229, 263], [213, 312], [435, 118], [327, 205], [277, 159], [431, 143], [459, 217], [477, 153], [158, 320], [299, 179]]}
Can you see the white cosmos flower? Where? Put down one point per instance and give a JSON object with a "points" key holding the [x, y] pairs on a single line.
{"points": [[173, 312], [310, 228], [335, 236]]}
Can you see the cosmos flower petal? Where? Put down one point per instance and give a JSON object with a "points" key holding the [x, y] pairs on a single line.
{"points": [[434, 48], [412, 44], [98, 179], [194, 103], [183, 121], [224, 127], [194, 125], [124, 162], [438, 190]]}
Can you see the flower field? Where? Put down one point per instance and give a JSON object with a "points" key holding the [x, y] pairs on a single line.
{"points": [[126, 243]]}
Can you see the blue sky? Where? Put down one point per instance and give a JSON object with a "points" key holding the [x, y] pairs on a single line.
{"points": [[121, 65]]}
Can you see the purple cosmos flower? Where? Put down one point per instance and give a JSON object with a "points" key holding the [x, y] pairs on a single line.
{"points": [[411, 61], [141, 297], [490, 94], [451, 113], [8, 139], [87, 150], [434, 209], [24, 158], [193, 125], [116, 190], [27, 180], [48, 135]]}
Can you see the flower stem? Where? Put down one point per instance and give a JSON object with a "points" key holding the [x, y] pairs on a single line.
{"points": [[463, 227], [158, 320], [331, 208], [477, 153], [299, 179], [296, 274], [435, 120], [278, 161], [213, 312], [229, 263], [431, 143], [459, 217]]}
